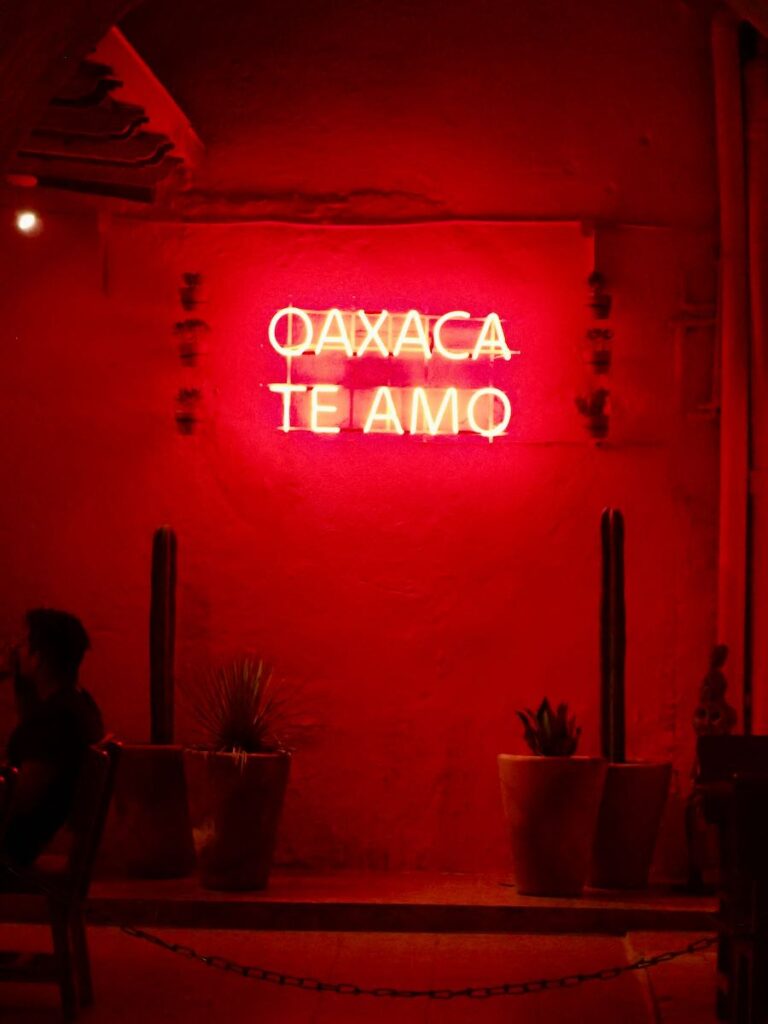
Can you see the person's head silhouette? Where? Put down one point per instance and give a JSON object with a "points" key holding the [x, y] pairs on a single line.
{"points": [[48, 658]]}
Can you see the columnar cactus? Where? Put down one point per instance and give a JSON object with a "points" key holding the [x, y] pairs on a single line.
{"points": [[613, 641], [162, 631]]}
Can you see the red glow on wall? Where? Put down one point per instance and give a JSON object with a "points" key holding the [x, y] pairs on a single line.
{"points": [[411, 585]]}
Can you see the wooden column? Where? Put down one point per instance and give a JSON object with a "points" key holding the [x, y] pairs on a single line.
{"points": [[757, 178], [734, 333]]}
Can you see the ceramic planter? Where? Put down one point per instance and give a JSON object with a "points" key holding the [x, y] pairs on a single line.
{"points": [[628, 823], [551, 806], [235, 801], [148, 834]]}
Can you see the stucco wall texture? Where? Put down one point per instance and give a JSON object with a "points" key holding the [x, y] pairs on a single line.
{"points": [[413, 591]]}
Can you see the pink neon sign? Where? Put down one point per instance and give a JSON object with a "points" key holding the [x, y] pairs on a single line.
{"points": [[453, 337]]}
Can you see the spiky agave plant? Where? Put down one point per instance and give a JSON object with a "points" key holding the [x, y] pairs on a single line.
{"points": [[240, 710], [550, 733]]}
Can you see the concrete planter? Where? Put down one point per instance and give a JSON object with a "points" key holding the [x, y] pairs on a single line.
{"points": [[551, 806], [235, 801], [628, 824]]}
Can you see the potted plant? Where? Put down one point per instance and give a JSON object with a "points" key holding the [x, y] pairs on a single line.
{"points": [[551, 799], [236, 779], [635, 791], [147, 833]]}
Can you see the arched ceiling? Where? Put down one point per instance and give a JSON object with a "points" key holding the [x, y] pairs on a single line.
{"points": [[248, 72], [436, 108]]}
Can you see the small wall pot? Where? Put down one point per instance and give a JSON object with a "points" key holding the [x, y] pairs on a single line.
{"points": [[628, 824], [235, 801], [148, 834], [551, 806]]}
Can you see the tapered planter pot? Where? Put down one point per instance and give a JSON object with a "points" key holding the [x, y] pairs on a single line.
{"points": [[235, 801], [551, 806], [147, 834], [628, 824]]}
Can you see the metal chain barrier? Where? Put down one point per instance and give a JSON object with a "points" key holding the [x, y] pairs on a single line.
{"points": [[517, 988], [310, 984]]}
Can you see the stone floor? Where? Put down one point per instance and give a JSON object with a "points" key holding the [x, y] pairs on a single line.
{"points": [[140, 984]]}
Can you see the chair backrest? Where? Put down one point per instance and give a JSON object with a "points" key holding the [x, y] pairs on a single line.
{"points": [[721, 757], [89, 812], [8, 777]]}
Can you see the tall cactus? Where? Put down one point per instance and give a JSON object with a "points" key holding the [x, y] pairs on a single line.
{"points": [[162, 632], [605, 632], [613, 639]]}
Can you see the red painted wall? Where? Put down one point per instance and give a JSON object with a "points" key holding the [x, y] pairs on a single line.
{"points": [[415, 591]]}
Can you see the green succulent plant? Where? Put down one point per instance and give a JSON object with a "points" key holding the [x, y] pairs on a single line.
{"points": [[550, 733], [240, 710]]}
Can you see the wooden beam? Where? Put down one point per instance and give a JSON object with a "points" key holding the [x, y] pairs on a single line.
{"points": [[734, 332], [149, 174], [141, 149], [119, 120]]}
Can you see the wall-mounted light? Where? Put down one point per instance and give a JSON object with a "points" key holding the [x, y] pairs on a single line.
{"points": [[28, 222]]}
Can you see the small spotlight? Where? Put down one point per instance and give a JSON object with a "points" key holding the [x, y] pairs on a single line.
{"points": [[28, 222]]}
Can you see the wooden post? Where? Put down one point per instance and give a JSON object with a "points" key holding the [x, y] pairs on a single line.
{"points": [[756, 77], [734, 334]]}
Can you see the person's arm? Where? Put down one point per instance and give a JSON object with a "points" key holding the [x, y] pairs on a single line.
{"points": [[43, 753], [33, 781]]}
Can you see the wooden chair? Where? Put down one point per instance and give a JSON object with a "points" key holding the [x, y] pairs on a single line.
{"points": [[7, 783], [749, 852], [61, 883], [733, 783]]}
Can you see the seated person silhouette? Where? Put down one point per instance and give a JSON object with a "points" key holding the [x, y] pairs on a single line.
{"points": [[57, 721]]}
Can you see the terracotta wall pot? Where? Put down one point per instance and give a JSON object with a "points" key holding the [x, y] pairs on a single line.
{"points": [[551, 806], [148, 833], [628, 823], [235, 803]]}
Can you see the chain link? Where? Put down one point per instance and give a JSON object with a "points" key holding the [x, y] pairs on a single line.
{"points": [[519, 988], [310, 984]]}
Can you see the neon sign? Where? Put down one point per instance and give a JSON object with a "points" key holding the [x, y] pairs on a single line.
{"points": [[455, 337]]}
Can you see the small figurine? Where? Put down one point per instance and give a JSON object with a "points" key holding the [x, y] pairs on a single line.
{"points": [[189, 293], [714, 716]]}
